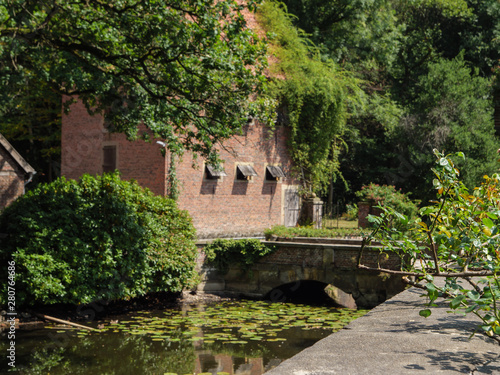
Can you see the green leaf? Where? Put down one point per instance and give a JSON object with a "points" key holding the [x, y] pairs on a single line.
{"points": [[492, 215], [490, 318], [444, 162], [470, 309], [473, 295], [432, 292], [427, 210], [488, 223], [486, 327], [457, 301], [425, 313]]}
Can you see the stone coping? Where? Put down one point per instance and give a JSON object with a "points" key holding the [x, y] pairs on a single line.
{"points": [[304, 242], [326, 240], [316, 245]]}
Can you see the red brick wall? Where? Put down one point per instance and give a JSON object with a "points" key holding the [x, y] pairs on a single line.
{"points": [[82, 140], [218, 207], [11, 179], [365, 209], [228, 207], [363, 212]]}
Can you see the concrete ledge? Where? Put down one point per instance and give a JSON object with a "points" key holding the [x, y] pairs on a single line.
{"points": [[334, 241], [325, 245], [394, 339]]}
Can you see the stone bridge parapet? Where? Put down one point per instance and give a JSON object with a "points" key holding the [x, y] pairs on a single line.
{"points": [[331, 262]]}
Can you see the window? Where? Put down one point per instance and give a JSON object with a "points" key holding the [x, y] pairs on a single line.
{"points": [[245, 172], [108, 159], [274, 173], [212, 173]]}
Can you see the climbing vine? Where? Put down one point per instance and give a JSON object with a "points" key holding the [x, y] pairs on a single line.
{"points": [[314, 95], [173, 180], [223, 253]]}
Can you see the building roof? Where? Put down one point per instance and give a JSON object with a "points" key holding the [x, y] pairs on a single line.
{"points": [[15, 155]]}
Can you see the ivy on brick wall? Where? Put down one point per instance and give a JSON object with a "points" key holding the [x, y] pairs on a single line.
{"points": [[224, 253], [313, 93]]}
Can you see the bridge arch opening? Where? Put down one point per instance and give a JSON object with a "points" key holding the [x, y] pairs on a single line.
{"points": [[311, 292]]}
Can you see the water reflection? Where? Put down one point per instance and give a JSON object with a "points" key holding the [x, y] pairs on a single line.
{"points": [[246, 338]]}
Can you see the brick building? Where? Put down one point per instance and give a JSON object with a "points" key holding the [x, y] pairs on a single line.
{"points": [[15, 172], [254, 192]]}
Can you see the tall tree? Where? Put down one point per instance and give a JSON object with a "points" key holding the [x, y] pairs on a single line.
{"points": [[429, 28], [350, 31], [396, 47], [453, 111], [184, 68], [33, 126], [479, 38]]}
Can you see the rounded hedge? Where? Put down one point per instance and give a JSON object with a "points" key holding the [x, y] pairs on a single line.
{"points": [[96, 238]]}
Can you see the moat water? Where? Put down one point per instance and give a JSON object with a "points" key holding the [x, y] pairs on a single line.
{"points": [[231, 337]]}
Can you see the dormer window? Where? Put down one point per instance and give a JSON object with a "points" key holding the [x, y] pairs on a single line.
{"points": [[274, 173], [214, 173], [245, 172]]}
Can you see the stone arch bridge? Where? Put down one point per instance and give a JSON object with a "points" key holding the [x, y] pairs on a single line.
{"points": [[303, 265]]}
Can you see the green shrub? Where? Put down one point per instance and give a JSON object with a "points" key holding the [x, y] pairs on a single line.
{"points": [[290, 232], [223, 253], [98, 238], [352, 212], [387, 195]]}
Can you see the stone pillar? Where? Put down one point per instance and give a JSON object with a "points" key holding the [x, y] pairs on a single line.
{"points": [[311, 212], [365, 209], [363, 212]]}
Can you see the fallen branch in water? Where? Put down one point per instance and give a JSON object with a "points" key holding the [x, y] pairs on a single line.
{"points": [[46, 317]]}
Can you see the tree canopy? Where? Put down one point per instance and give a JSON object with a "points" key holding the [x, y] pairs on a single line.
{"points": [[360, 78], [33, 126], [183, 68], [402, 51]]}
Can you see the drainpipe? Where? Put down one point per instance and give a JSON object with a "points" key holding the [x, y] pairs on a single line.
{"points": [[167, 164], [31, 174]]}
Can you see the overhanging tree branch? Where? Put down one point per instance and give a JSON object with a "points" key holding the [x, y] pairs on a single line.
{"points": [[184, 53]]}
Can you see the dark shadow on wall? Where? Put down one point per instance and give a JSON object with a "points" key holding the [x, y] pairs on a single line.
{"points": [[240, 188], [209, 187], [269, 188]]}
